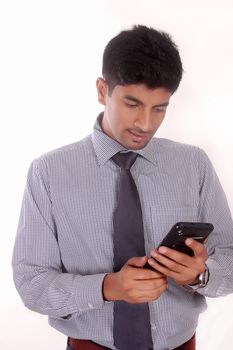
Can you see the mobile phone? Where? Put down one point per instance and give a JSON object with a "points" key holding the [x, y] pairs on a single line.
{"points": [[176, 237]]}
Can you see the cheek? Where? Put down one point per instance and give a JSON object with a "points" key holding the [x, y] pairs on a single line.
{"points": [[115, 121], [158, 121], [119, 119]]}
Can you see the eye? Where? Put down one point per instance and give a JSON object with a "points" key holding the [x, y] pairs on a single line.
{"points": [[131, 104], [160, 109]]}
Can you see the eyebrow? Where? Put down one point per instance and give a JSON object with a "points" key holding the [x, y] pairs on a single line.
{"points": [[134, 99]]}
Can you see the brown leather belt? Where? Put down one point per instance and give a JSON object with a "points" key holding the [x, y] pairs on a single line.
{"points": [[81, 344]]}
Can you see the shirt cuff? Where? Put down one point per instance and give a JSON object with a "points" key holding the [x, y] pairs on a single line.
{"points": [[90, 295], [215, 286]]}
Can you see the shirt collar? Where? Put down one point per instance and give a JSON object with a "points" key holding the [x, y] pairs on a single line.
{"points": [[105, 147]]}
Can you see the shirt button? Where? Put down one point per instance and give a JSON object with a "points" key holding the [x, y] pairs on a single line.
{"points": [[153, 327], [90, 306]]}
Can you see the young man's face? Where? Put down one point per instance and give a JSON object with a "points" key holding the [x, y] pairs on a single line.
{"points": [[133, 113]]}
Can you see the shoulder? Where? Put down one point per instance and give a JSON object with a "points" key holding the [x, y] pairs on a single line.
{"points": [[173, 153], [162, 145], [65, 156]]}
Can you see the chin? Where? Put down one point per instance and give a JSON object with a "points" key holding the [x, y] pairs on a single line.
{"points": [[133, 145]]}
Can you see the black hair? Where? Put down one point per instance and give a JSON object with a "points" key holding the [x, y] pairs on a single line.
{"points": [[142, 55]]}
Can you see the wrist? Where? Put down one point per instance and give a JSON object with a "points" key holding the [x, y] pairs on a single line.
{"points": [[196, 281], [108, 288], [202, 279]]}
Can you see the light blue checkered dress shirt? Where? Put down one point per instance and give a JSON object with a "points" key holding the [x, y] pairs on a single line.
{"points": [[64, 246]]}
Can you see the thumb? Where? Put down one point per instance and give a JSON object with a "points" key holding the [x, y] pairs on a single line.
{"points": [[137, 261]]}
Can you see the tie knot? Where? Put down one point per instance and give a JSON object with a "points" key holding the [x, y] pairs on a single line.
{"points": [[125, 160]]}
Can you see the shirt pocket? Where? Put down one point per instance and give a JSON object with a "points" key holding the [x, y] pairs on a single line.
{"points": [[162, 220]]}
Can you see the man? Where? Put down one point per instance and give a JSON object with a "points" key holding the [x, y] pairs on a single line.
{"points": [[66, 255]]}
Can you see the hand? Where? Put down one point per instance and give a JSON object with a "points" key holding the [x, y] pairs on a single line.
{"points": [[182, 268], [134, 284]]}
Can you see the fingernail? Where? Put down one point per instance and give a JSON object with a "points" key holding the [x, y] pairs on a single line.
{"points": [[154, 254], [188, 241], [151, 261], [162, 250]]}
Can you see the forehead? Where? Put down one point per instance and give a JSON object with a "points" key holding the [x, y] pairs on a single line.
{"points": [[142, 93]]}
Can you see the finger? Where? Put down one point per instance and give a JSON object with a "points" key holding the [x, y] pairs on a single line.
{"points": [[164, 269], [167, 262], [150, 285], [149, 296], [138, 273], [137, 261], [197, 247], [150, 293], [153, 294], [144, 274], [172, 254]]}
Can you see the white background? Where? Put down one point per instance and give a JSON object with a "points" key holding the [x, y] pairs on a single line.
{"points": [[50, 57]]}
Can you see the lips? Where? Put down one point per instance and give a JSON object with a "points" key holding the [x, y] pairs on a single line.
{"points": [[137, 137]]}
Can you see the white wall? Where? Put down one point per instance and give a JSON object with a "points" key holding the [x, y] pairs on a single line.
{"points": [[50, 57]]}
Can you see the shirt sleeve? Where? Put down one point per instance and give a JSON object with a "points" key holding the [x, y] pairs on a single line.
{"points": [[37, 267], [213, 208]]}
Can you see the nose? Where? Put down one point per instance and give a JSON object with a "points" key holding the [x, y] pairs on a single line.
{"points": [[143, 121]]}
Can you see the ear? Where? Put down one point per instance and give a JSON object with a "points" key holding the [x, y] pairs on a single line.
{"points": [[102, 90]]}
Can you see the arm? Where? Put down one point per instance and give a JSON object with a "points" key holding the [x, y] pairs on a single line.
{"points": [[41, 281], [213, 208], [217, 254]]}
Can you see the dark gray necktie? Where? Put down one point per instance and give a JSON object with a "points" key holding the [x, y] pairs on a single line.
{"points": [[132, 329]]}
